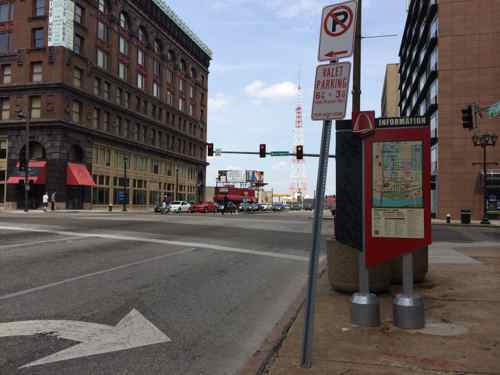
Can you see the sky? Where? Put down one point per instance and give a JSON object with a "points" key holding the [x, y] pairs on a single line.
{"points": [[259, 47]]}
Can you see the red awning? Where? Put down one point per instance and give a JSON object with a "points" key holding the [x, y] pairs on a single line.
{"points": [[37, 173], [78, 175]]}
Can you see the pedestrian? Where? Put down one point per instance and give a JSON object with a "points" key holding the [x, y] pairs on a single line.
{"points": [[45, 201], [53, 201]]}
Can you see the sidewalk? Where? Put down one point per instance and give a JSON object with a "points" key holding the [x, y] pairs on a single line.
{"points": [[493, 223], [462, 335]]}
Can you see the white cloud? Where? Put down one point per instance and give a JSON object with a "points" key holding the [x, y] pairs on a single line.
{"points": [[217, 103], [278, 91]]}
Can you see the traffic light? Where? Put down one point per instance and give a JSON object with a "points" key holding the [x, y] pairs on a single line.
{"points": [[262, 150], [299, 151], [210, 149], [468, 117]]}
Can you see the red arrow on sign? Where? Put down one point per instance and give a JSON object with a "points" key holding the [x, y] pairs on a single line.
{"points": [[334, 54]]}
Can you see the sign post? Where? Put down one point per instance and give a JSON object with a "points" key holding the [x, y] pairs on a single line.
{"points": [[329, 103]]}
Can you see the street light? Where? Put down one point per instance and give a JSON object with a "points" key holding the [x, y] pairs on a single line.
{"points": [[125, 184], [484, 140], [21, 115]]}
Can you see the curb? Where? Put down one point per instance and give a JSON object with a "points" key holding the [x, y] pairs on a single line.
{"points": [[494, 226], [262, 358]]}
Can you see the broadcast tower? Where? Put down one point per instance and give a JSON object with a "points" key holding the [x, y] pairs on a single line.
{"points": [[298, 179]]}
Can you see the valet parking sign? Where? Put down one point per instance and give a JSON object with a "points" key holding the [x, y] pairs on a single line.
{"points": [[331, 87]]}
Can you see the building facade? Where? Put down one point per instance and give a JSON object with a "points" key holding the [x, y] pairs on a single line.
{"points": [[450, 58], [111, 89], [390, 92]]}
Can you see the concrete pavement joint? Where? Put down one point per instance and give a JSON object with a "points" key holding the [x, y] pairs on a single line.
{"points": [[162, 242], [90, 275]]}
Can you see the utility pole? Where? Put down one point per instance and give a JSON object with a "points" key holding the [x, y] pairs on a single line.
{"points": [[356, 85]]}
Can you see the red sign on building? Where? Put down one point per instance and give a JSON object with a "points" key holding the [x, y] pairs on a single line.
{"points": [[397, 163]]}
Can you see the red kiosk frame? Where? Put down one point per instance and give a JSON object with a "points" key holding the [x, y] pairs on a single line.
{"points": [[378, 249]]}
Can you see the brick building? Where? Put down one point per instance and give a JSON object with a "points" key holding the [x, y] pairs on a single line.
{"points": [[390, 92], [449, 58], [111, 87]]}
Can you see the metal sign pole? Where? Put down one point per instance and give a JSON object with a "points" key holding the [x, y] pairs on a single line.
{"points": [[313, 262], [365, 309], [408, 307]]}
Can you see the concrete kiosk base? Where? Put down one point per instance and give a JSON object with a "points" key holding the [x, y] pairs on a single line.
{"points": [[343, 270]]}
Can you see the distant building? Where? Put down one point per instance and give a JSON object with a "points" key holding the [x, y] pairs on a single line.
{"points": [[390, 93], [450, 57]]}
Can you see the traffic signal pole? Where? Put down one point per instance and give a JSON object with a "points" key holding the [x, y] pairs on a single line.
{"points": [[27, 157]]}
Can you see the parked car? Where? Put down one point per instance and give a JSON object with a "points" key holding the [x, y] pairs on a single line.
{"points": [[204, 207], [296, 207], [229, 208], [180, 206], [278, 207]]}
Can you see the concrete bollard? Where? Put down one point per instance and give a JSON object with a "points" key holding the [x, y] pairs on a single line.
{"points": [[343, 276]]}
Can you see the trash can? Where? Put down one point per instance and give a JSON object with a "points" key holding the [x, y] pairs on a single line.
{"points": [[465, 215]]}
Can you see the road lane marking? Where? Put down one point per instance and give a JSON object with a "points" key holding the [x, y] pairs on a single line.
{"points": [[89, 275], [163, 242], [27, 244], [133, 331]]}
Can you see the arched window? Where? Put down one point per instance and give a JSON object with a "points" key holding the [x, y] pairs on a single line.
{"points": [[157, 47], [171, 55], [183, 66], [103, 6], [193, 73], [142, 35], [124, 21]]}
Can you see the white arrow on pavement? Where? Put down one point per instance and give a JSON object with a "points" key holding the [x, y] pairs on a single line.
{"points": [[133, 331]]}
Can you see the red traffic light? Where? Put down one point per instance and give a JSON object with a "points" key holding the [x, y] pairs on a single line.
{"points": [[299, 152], [262, 151], [210, 149]]}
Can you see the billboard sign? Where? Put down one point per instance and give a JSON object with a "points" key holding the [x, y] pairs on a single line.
{"points": [[61, 31], [255, 177]]}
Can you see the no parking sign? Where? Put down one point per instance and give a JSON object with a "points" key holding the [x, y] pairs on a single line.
{"points": [[338, 26]]}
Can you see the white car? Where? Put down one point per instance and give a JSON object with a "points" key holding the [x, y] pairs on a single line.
{"points": [[180, 206]]}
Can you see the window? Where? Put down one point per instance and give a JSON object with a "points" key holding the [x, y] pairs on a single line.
{"points": [[79, 11], [97, 86], [105, 121], [156, 68], [183, 66], [6, 74], [181, 85], [102, 31], [123, 71], [140, 57], [5, 108], [76, 113], [140, 81], [170, 76], [156, 89], [123, 21], [170, 98], [181, 104], [77, 77], [103, 6], [191, 92], [96, 117], [78, 44], [6, 12], [39, 8], [36, 106], [4, 42], [126, 100], [119, 96], [3, 152], [123, 46], [107, 90], [36, 72], [141, 35], [38, 38], [102, 59], [190, 109]]}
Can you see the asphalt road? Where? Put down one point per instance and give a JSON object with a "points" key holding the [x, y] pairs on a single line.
{"points": [[215, 286], [187, 294]]}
